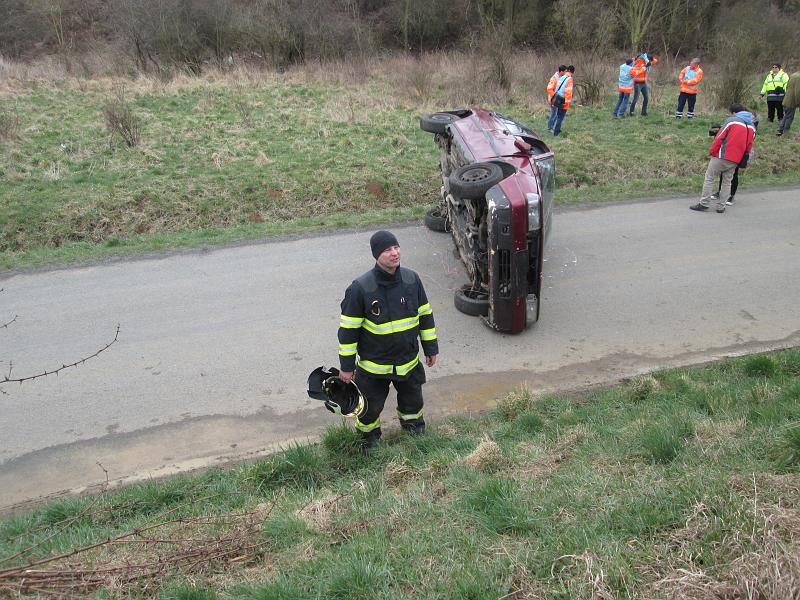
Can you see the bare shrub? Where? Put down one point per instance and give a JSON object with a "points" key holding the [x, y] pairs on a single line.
{"points": [[419, 78], [591, 80], [496, 45], [122, 121], [9, 125]]}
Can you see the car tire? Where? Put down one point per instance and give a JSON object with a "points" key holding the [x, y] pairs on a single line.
{"points": [[436, 221], [471, 301], [471, 182], [437, 122]]}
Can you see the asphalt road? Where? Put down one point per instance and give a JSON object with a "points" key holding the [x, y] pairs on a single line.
{"points": [[215, 346]]}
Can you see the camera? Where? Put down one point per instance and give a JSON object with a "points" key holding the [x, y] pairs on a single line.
{"points": [[713, 130]]}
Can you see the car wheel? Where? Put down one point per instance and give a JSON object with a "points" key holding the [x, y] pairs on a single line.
{"points": [[436, 220], [471, 182], [471, 301], [437, 122]]}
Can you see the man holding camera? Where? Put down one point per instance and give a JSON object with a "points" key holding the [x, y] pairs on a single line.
{"points": [[774, 89], [731, 147]]}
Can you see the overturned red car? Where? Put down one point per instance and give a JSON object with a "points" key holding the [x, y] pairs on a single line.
{"points": [[498, 187]]}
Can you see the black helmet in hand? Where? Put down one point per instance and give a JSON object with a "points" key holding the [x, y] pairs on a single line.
{"points": [[339, 397]]}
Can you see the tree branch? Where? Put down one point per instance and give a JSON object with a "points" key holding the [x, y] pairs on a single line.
{"points": [[9, 379]]}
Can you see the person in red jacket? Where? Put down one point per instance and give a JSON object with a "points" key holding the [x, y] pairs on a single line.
{"points": [[733, 141]]}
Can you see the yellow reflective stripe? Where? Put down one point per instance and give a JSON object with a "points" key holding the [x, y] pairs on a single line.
{"points": [[407, 417], [350, 322], [391, 326], [427, 335], [347, 349], [366, 428], [425, 309], [408, 367], [372, 367]]}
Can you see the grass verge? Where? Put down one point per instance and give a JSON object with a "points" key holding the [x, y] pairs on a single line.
{"points": [[246, 154], [683, 483]]}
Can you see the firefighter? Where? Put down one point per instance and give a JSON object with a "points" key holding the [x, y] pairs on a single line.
{"points": [[385, 313], [690, 78], [774, 89], [641, 68]]}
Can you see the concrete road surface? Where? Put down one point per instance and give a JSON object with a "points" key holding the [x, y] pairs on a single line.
{"points": [[215, 346]]}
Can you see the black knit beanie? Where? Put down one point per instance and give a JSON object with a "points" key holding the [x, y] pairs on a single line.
{"points": [[380, 241]]}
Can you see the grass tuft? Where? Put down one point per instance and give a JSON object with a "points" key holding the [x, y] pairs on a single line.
{"points": [[663, 440], [499, 506], [299, 467], [760, 366], [487, 457], [513, 404], [642, 387], [358, 577], [787, 452]]}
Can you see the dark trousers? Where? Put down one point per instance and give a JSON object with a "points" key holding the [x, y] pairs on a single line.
{"points": [[774, 106], [683, 99], [376, 390], [734, 183], [788, 117], [640, 87]]}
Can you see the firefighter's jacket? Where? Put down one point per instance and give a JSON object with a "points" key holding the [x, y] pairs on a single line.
{"points": [[383, 317]]}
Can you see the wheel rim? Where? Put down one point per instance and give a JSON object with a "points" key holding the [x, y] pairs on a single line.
{"points": [[476, 174], [474, 294]]}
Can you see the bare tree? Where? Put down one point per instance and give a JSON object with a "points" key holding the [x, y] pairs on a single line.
{"points": [[638, 17]]}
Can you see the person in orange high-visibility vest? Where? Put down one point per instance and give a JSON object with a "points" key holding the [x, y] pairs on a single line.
{"points": [[560, 100], [690, 78], [641, 68], [551, 90]]}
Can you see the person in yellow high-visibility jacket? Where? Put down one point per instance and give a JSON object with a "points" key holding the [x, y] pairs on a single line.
{"points": [[774, 89]]}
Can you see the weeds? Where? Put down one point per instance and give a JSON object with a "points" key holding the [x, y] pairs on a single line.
{"points": [[121, 121], [9, 125]]}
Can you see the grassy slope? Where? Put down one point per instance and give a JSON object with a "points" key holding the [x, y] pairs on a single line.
{"points": [[233, 158], [683, 483]]}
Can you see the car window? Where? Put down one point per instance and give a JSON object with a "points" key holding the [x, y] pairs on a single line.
{"points": [[512, 126]]}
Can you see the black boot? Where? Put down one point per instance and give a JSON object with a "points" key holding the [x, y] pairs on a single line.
{"points": [[369, 441], [414, 427]]}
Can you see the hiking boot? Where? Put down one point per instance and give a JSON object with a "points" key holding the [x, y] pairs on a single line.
{"points": [[699, 206], [729, 201], [721, 208]]}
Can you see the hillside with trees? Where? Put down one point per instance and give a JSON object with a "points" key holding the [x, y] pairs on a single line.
{"points": [[158, 34]]}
